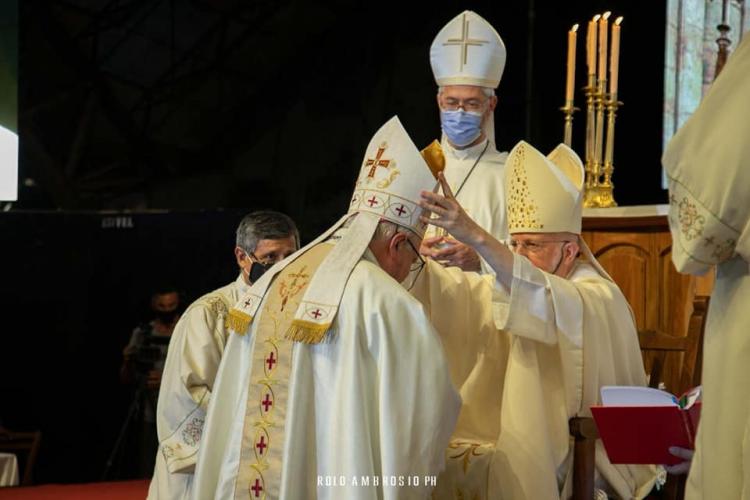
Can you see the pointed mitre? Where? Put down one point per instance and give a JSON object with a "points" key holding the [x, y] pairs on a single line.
{"points": [[391, 177], [468, 51], [544, 194]]}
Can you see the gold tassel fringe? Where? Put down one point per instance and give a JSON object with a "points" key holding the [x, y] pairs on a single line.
{"points": [[238, 321], [306, 332]]}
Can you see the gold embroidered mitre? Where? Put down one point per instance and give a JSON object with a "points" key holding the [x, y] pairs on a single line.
{"points": [[544, 194], [392, 175]]}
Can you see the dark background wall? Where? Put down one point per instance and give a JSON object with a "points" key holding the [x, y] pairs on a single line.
{"points": [[206, 109]]}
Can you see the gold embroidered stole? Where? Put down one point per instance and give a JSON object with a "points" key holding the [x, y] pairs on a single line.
{"points": [[263, 434]]}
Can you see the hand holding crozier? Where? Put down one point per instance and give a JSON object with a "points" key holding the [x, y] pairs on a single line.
{"points": [[449, 215]]}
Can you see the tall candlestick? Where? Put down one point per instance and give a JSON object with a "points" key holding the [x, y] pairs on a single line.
{"points": [[591, 45], [614, 57], [603, 25], [571, 74]]}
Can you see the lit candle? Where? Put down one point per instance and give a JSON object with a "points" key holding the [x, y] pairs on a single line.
{"points": [[571, 76], [614, 57], [603, 25], [591, 45]]}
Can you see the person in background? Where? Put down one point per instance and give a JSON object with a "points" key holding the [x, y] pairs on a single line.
{"points": [[263, 239]]}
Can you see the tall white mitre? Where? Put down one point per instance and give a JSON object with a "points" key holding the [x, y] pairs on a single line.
{"points": [[468, 51], [544, 194], [391, 177]]}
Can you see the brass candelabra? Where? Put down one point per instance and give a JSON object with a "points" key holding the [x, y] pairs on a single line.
{"points": [[601, 107]]}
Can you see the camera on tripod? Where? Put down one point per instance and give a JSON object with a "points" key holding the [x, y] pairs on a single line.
{"points": [[150, 354]]}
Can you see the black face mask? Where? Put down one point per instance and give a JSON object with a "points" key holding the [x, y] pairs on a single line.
{"points": [[257, 270], [166, 317]]}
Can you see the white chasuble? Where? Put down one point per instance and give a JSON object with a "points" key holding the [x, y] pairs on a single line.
{"points": [[557, 342], [195, 351], [368, 407]]}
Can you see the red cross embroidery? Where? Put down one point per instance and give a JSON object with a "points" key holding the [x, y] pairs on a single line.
{"points": [[400, 210], [372, 201], [270, 360], [317, 313], [267, 402], [377, 161], [261, 445], [257, 488]]}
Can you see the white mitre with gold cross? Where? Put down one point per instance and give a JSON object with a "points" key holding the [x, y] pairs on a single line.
{"points": [[391, 177], [544, 194], [468, 51]]}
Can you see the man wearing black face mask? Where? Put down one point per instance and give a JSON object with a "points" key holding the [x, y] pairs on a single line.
{"points": [[195, 351], [165, 303], [143, 362]]}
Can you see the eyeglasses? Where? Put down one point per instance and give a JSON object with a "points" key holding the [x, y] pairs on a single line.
{"points": [[533, 247], [266, 262], [473, 104], [417, 265]]}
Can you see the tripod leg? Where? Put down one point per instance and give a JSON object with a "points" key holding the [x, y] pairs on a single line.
{"points": [[133, 410]]}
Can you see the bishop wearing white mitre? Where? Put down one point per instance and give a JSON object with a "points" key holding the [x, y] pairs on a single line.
{"points": [[334, 375], [467, 59], [564, 330]]}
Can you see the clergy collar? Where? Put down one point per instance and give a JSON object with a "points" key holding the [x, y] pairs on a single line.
{"points": [[240, 285], [466, 153]]}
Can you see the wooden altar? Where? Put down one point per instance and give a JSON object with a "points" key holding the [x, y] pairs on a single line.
{"points": [[635, 247]]}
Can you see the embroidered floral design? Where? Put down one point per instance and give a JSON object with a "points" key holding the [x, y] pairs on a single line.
{"points": [[691, 222], [218, 307], [469, 451], [704, 236], [191, 434], [723, 251], [287, 289], [167, 451]]}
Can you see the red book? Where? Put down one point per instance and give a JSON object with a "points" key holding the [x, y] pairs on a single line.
{"points": [[638, 424]]}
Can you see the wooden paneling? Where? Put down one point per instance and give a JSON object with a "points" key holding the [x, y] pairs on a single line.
{"points": [[637, 253]]}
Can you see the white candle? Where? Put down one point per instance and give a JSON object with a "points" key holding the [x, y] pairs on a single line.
{"points": [[614, 57], [571, 74], [603, 25], [591, 45]]}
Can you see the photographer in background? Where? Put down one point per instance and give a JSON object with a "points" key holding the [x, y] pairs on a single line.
{"points": [[142, 366], [153, 336]]}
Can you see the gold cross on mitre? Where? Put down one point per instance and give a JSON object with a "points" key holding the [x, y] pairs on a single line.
{"points": [[376, 162], [464, 41]]}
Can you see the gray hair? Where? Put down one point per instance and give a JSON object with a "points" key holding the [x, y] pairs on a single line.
{"points": [[385, 230], [265, 225], [488, 92]]}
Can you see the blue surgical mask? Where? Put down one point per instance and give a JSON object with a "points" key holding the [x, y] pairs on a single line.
{"points": [[461, 127]]}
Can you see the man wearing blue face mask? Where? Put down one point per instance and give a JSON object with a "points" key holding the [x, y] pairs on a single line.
{"points": [[196, 348], [468, 58]]}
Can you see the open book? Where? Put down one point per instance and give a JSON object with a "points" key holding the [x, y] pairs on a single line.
{"points": [[637, 425]]}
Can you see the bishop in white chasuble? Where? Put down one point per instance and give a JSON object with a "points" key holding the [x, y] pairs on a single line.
{"points": [[336, 385], [568, 330]]}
